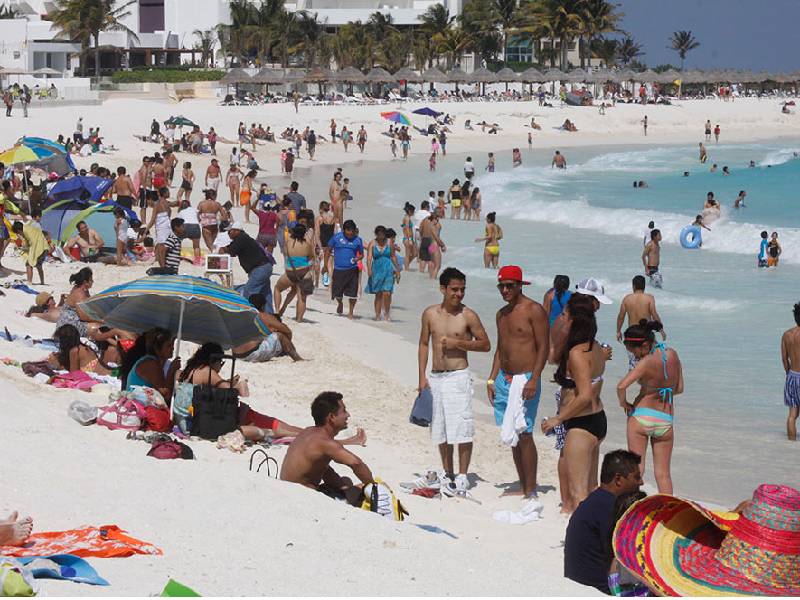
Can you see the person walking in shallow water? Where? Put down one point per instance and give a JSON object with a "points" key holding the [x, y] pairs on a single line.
{"points": [[790, 355]]}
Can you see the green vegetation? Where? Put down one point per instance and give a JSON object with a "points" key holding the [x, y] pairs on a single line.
{"points": [[165, 76]]}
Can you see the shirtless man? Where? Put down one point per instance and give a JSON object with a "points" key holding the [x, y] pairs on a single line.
{"points": [[308, 458], [522, 347], [428, 236], [170, 160], [213, 175], [145, 187], [637, 306], [453, 329], [559, 161], [123, 188], [277, 343], [88, 241], [790, 355], [651, 258], [703, 153]]}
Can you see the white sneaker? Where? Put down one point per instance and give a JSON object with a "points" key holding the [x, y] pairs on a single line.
{"points": [[533, 505], [462, 483], [448, 486], [429, 480]]}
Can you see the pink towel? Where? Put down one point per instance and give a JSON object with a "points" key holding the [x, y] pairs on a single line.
{"points": [[74, 380]]}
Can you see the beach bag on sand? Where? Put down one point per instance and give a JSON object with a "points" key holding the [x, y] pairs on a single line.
{"points": [[379, 498], [215, 411], [157, 419], [422, 411], [124, 414], [169, 449]]}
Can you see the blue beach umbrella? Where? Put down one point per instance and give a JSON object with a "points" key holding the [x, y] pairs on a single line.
{"points": [[428, 112], [193, 308]]}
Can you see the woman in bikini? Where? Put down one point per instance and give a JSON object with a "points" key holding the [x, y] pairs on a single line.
{"points": [[454, 198], [297, 276], [492, 237], [233, 179], [187, 182], [408, 235], [325, 229], [650, 416], [71, 314], [580, 374], [74, 355], [210, 212], [475, 203], [247, 193]]}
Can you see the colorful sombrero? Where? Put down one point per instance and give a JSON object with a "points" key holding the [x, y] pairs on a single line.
{"points": [[680, 548]]}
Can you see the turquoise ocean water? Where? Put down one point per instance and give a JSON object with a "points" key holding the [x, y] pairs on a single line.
{"points": [[722, 314]]}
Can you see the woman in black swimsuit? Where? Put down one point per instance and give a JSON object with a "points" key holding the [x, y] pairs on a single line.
{"points": [[326, 227], [580, 373]]}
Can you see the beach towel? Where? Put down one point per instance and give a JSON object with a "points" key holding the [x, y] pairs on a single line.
{"points": [[74, 380], [514, 417], [62, 566], [15, 579], [106, 541]]}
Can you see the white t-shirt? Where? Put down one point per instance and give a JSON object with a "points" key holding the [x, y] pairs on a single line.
{"points": [[469, 167], [646, 238], [189, 215], [419, 216]]}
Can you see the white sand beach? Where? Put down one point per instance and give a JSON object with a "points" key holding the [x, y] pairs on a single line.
{"points": [[226, 531]]}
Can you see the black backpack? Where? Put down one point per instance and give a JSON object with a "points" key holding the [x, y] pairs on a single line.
{"points": [[215, 410]]}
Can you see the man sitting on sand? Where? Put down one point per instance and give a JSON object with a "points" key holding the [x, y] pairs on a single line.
{"points": [[277, 343], [308, 458], [14, 531]]}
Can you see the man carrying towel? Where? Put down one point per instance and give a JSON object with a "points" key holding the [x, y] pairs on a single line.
{"points": [[522, 347], [453, 330]]}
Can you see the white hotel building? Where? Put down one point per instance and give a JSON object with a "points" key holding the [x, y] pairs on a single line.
{"points": [[164, 29]]}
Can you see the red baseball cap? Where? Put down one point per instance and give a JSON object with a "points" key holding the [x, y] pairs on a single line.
{"points": [[511, 273]]}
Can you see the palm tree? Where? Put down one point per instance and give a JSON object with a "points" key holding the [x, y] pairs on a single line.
{"points": [[352, 46], [84, 20], [309, 37], [488, 23], [435, 23], [599, 17], [606, 50], [394, 50], [207, 38], [554, 19], [628, 49], [682, 42], [452, 43]]}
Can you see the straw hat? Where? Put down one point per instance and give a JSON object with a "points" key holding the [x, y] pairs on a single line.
{"points": [[680, 548]]}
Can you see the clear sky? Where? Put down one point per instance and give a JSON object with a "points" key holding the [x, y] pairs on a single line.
{"points": [[736, 34]]}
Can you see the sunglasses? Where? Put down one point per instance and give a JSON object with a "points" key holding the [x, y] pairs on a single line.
{"points": [[502, 286]]}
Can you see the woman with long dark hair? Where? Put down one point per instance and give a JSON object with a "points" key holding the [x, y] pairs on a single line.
{"points": [[580, 375], [556, 298], [144, 363], [650, 416], [74, 355], [298, 275]]}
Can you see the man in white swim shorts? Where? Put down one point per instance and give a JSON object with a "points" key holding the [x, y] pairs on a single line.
{"points": [[452, 330]]}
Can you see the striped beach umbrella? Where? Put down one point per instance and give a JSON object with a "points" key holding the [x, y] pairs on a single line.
{"points": [[18, 155], [193, 308], [396, 117]]}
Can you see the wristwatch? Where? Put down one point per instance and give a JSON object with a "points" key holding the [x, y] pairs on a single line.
{"points": [[490, 382]]}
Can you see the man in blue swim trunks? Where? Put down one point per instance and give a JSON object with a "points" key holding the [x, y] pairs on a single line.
{"points": [[523, 342]]}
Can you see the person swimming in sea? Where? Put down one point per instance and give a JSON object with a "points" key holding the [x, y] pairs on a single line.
{"points": [[739, 202]]}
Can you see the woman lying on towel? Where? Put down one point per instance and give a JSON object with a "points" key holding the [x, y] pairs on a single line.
{"points": [[45, 308], [74, 355]]}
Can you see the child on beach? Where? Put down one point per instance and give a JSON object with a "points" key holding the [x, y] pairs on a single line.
{"points": [[516, 158], [432, 161], [393, 147], [121, 229], [490, 163]]}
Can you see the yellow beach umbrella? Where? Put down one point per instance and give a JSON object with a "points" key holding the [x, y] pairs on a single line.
{"points": [[17, 155]]}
